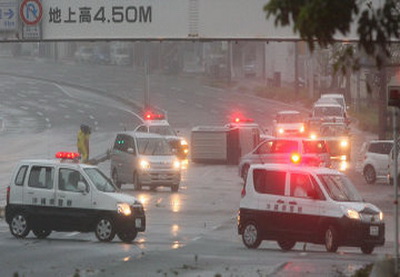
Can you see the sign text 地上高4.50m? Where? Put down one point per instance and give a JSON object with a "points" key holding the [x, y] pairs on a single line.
{"points": [[102, 15]]}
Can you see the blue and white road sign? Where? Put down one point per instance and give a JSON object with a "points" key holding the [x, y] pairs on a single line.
{"points": [[8, 16]]}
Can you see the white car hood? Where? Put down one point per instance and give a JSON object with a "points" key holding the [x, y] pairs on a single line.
{"points": [[289, 126], [121, 197]]}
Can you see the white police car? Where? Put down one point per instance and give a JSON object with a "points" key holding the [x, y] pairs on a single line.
{"points": [[290, 204], [158, 124], [65, 195]]}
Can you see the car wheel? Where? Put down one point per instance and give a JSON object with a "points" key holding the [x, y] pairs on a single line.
{"points": [[174, 188], [245, 171], [115, 179], [127, 236], [251, 235], [19, 225], [331, 239], [105, 230], [136, 184], [41, 233], [369, 174], [367, 248], [286, 244]]}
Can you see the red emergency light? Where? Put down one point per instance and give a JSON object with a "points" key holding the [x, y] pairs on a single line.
{"points": [[67, 155], [295, 158], [153, 116], [243, 120]]}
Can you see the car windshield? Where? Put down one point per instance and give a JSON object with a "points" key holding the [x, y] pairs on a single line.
{"points": [[340, 188], [162, 130], [328, 111], [154, 147], [333, 130], [289, 118], [315, 146], [100, 180]]}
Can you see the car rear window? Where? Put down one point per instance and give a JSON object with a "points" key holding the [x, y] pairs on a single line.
{"points": [[315, 146], [269, 181]]}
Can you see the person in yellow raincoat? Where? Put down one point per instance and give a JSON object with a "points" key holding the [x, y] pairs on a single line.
{"points": [[83, 142]]}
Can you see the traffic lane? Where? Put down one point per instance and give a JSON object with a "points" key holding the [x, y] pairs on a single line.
{"points": [[48, 105], [61, 254]]}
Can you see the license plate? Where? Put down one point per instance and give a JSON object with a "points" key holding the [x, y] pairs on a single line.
{"points": [[373, 230], [138, 222]]}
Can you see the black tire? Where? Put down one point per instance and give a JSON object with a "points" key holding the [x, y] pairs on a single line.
{"points": [[286, 244], [331, 239], [19, 225], [369, 174], [136, 184], [105, 230], [174, 188], [115, 179], [41, 233], [367, 248], [127, 237], [251, 235], [245, 171]]}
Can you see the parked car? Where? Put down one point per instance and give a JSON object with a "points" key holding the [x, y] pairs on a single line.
{"points": [[376, 160], [288, 123]]}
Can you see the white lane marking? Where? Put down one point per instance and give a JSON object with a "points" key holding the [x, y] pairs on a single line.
{"points": [[40, 113], [213, 88], [47, 119], [24, 108], [71, 234], [62, 105], [200, 106], [182, 101], [67, 116], [91, 117]]}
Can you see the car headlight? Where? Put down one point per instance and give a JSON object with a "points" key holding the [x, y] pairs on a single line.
{"points": [[344, 143], [124, 209], [301, 130], [381, 216], [184, 142], [177, 164], [281, 130], [144, 164], [350, 213]]}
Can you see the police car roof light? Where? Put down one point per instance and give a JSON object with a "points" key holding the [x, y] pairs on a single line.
{"points": [[67, 155], [243, 120], [295, 158], [153, 116]]}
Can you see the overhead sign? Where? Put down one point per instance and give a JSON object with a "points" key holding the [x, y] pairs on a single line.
{"points": [[150, 19], [31, 12], [8, 15]]}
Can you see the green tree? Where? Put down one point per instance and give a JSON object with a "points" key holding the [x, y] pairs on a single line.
{"points": [[322, 21]]}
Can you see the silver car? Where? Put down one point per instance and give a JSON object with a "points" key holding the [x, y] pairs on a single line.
{"points": [[144, 159]]}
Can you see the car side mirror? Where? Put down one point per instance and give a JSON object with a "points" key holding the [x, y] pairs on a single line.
{"points": [[81, 187], [130, 150]]}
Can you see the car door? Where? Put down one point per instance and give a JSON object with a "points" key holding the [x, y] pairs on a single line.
{"points": [[270, 188], [39, 193], [74, 207], [304, 205], [382, 157], [122, 159]]}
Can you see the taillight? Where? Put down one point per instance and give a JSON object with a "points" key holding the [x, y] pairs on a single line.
{"points": [[243, 193], [295, 158], [8, 195]]}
